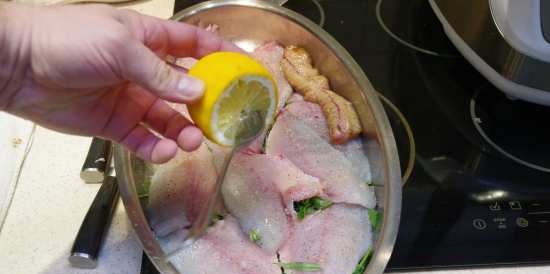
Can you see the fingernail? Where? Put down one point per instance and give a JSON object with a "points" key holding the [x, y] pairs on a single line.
{"points": [[190, 88]]}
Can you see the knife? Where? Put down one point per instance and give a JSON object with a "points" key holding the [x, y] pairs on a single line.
{"points": [[88, 242], [96, 163], [147, 267]]}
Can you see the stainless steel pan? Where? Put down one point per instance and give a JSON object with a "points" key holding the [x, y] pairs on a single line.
{"points": [[250, 23]]}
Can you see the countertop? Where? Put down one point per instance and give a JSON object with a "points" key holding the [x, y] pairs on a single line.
{"points": [[50, 202]]}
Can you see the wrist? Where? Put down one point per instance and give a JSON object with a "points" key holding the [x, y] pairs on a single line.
{"points": [[15, 35]]}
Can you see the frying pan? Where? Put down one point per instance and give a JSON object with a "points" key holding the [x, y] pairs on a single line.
{"points": [[249, 23]]}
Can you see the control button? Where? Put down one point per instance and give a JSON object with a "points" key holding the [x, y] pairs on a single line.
{"points": [[494, 206], [479, 224], [501, 222], [515, 205], [522, 222]]}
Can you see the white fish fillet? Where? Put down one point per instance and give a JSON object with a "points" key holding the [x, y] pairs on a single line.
{"points": [[335, 238], [224, 249], [295, 97], [312, 115], [179, 188], [301, 144], [259, 190], [270, 55]]}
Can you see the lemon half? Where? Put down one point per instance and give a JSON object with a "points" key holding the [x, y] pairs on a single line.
{"points": [[235, 84]]}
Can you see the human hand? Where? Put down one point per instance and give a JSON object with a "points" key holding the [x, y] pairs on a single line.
{"points": [[98, 71]]}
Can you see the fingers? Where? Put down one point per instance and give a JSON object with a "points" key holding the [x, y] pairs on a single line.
{"points": [[171, 124], [190, 138], [148, 146], [137, 113], [174, 38], [141, 66], [152, 148]]}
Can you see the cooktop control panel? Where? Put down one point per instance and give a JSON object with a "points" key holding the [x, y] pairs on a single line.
{"points": [[481, 227], [513, 215]]}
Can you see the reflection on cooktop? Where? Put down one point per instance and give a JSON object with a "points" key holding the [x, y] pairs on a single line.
{"points": [[400, 30], [512, 128]]}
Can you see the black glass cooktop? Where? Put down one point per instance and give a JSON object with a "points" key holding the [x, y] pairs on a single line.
{"points": [[479, 192]]}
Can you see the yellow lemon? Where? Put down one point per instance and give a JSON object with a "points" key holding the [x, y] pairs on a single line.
{"points": [[235, 84]]}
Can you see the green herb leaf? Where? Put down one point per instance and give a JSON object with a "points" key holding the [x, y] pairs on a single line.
{"points": [[143, 191], [320, 204], [375, 218], [218, 216], [300, 266], [369, 183], [309, 206], [363, 263], [254, 236]]}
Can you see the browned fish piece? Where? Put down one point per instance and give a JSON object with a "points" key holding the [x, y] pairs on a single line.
{"points": [[342, 120]]}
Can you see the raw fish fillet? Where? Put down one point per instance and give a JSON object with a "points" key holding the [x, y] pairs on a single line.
{"points": [[224, 249], [312, 115], [335, 238], [295, 97], [218, 153], [295, 140], [259, 190], [270, 55], [179, 188], [354, 150]]}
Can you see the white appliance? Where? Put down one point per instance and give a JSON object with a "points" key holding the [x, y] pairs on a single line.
{"points": [[508, 41]]}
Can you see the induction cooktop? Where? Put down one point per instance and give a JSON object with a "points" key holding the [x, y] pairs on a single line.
{"points": [[478, 193]]}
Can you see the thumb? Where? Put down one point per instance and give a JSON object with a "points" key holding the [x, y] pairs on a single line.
{"points": [[141, 66]]}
